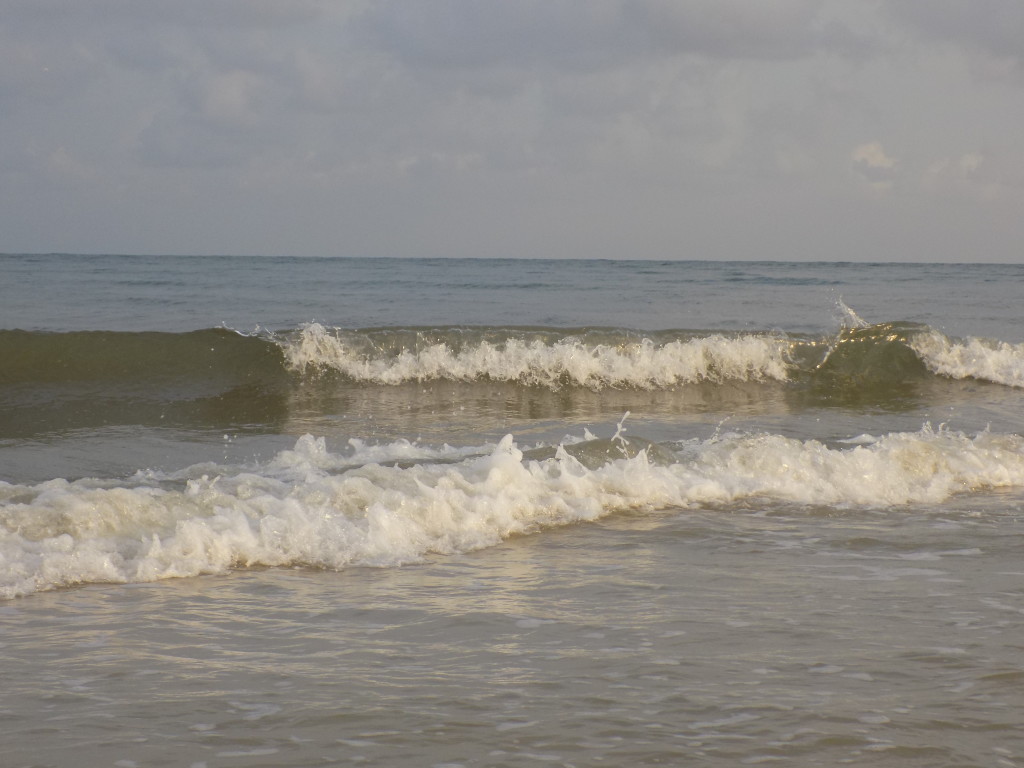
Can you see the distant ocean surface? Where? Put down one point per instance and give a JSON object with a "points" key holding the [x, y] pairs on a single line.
{"points": [[295, 512]]}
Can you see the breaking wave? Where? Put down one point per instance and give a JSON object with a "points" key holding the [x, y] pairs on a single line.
{"points": [[995, 361], [594, 359], [217, 378], [599, 359], [397, 503]]}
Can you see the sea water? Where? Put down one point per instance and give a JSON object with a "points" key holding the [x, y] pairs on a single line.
{"points": [[296, 512]]}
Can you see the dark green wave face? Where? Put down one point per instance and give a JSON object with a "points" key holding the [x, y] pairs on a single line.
{"points": [[877, 355], [64, 381], [211, 356], [217, 378], [871, 366]]}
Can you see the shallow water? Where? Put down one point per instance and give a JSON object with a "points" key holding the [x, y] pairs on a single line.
{"points": [[799, 637]]}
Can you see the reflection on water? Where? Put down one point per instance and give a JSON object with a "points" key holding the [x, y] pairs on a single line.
{"points": [[442, 411], [436, 411]]}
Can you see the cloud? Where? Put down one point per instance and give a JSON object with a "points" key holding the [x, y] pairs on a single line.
{"points": [[220, 14], [949, 172], [872, 164], [991, 28], [781, 30], [988, 177], [595, 35], [461, 127]]}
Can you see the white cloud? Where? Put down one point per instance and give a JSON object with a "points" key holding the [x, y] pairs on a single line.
{"points": [[872, 164]]}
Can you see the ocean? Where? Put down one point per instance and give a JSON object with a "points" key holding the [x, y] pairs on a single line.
{"points": [[303, 512]]}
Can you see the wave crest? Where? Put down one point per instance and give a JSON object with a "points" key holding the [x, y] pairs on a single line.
{"points": [[995, 361], [538, 359]]}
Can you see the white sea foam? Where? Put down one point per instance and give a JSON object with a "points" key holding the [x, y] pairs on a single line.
{"points": [[571, 360], [305, 508], [996, 361]]}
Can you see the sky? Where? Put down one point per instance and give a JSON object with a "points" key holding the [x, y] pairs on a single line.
{"points": [[827, 130]]}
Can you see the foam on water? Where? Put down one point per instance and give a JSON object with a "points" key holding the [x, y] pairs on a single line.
{"points": [[309, 506], [568, 360], [996, 361]]}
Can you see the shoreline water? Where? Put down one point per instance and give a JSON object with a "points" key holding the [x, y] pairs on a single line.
{"points": [[554, 648]]}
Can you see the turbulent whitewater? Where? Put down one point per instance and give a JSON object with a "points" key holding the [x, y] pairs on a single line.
{"points": [[315, 508]]}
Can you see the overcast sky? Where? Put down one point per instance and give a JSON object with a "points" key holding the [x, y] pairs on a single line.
{"points": [[662, 129]]}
